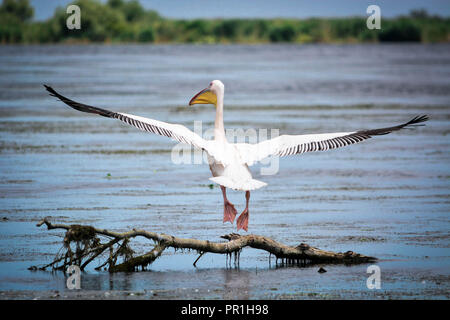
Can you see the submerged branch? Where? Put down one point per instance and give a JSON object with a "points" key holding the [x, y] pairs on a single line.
{"points": [[87, 235]]}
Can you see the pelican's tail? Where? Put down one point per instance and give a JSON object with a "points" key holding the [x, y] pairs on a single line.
{"points": [[248, 185]]}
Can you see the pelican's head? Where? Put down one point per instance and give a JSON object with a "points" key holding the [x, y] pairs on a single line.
{"points": [[209, 95]]}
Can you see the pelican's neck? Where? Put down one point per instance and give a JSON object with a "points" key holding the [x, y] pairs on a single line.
{"points": [[219, 130]]}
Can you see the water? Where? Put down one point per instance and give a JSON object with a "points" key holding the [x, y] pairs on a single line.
{"points": [[387, 197]]}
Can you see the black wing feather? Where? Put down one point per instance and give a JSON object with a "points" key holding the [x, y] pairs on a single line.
{"points": [[80, 106], [413, 122]]}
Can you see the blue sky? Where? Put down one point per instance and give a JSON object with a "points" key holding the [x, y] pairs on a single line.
{"points": [[189, 9]]}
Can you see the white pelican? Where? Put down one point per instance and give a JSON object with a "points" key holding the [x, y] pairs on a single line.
{"points": [[229, 162]]}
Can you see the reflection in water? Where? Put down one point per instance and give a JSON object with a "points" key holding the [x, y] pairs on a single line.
{"points": [[237, 284]]}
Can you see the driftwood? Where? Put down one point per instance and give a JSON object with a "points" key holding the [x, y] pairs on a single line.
{"points": [[82, 245]]}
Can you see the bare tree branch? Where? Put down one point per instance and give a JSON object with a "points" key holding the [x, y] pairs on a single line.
{"points": [[87, 235]]}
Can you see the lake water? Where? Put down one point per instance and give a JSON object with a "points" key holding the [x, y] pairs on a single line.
{"points": [[387, 197]]}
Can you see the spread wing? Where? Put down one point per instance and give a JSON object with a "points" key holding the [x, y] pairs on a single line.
{"points": [[176, 132], [286, 145]]}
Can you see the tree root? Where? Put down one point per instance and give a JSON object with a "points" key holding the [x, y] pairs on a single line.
{"points": [[82, 245]]}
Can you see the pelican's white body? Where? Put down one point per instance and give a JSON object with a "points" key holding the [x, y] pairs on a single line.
{"points": [[233, 173], [227, 166]]}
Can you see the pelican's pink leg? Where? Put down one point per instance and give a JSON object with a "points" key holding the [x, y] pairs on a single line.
{"points": [[242, 221], [229, 212]]}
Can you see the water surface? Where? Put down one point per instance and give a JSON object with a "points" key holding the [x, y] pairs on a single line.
{"points": [[387, 197]]}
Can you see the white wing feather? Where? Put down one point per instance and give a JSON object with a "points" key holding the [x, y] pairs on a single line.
{"points": [[293, 144]]}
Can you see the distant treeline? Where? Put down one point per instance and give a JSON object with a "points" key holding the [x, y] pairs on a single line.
{"points": [[127, 21]]}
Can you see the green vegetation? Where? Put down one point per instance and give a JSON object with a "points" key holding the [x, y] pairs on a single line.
{"points": [[127, 21]]}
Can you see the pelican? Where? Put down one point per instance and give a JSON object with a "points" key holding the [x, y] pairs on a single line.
{"points": [[229, 162]]}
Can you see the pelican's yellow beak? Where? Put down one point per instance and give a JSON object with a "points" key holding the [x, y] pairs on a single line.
{"points": [[206, 96]]}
